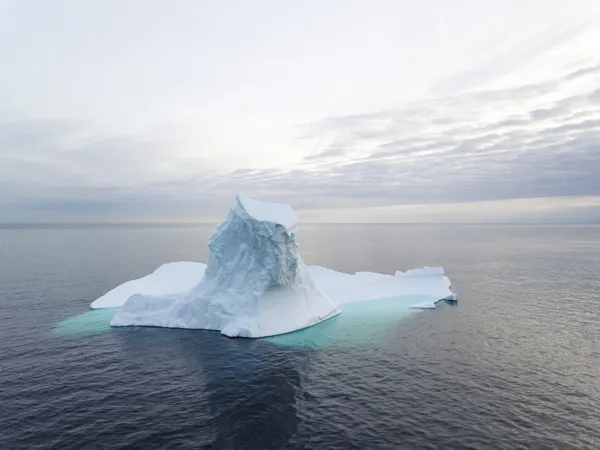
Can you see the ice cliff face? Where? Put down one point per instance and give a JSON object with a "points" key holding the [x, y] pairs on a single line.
{"points": [[255, 284], [241, 243]]}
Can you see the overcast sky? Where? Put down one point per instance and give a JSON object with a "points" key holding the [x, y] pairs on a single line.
{"points": [[349, 110]]}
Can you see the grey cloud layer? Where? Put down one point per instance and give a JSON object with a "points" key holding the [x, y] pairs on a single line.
{"points": [[467, 148], [530, 141]]}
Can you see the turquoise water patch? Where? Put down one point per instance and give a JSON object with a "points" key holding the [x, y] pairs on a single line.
{"points": [[360, 323], [93, 321]]}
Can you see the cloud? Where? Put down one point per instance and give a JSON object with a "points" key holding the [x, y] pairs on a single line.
{"points": [[60, 168], [328, 153], [584, 71], [512, 58], [549, 113], [538, 140], [520, 142]]}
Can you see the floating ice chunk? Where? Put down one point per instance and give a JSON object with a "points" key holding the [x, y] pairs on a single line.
{"points": [[255, 283]]}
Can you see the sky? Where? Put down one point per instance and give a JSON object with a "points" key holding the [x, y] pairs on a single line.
{"points": [[351, 111]]}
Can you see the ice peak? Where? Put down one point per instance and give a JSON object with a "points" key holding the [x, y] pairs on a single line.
{"points": [[279, 213]]}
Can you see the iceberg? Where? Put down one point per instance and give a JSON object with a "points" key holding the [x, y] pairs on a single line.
{"points": [[256, 285]]}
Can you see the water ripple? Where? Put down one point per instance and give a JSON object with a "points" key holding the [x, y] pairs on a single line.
{"points": [[514, 365]]}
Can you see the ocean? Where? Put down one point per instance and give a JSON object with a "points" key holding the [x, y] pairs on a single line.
{"points": [[514, 364]]}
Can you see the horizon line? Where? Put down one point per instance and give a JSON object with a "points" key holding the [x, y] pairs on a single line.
{"points": [[6, 225]]}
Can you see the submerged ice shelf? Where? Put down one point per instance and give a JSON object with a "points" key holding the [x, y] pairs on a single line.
{"points": [[255, 283]]}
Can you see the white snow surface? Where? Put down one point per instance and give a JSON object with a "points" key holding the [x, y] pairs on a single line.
{"points": [[169, 279], [255, 283], [278, 213], [427, 282]]}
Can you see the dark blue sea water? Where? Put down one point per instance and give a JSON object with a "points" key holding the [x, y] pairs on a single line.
{"points": [[515, 364]]}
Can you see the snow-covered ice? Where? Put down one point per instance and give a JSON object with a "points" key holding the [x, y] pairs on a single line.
{"points": [[427, 282], [278, 213], [169, 279], [255, 283]]}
